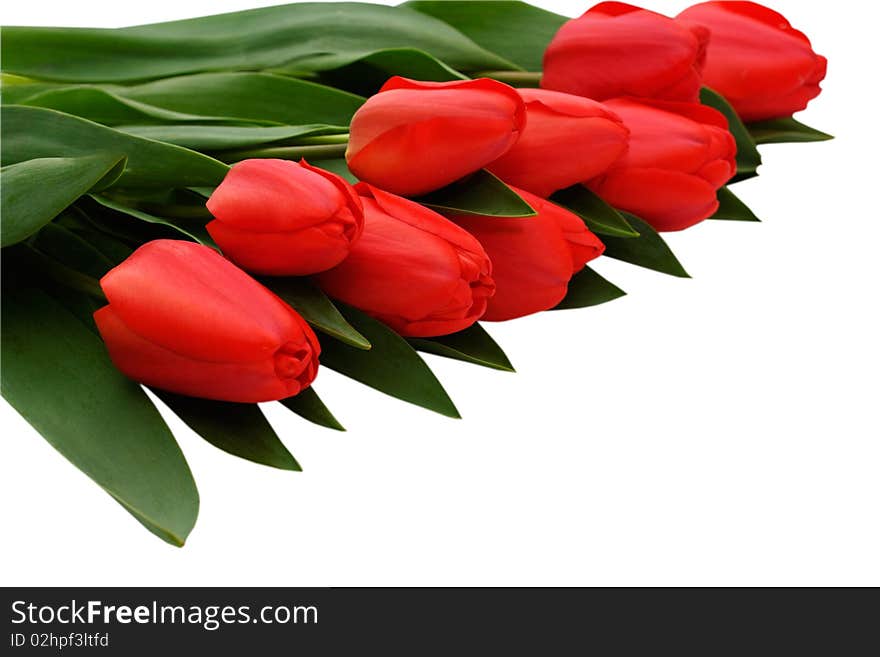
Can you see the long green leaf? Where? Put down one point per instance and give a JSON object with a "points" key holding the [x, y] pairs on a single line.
{"points": [[309, 406], [748, 159], [481, 193], [239, 429], [35, 132], [473, 345], [302, 36], [391, 366], [366, 75], [56, 373], [517, 31], [731, 208], [220, 137], [103, 106], [259, 97], [647, 250], [784, 131], [310, 302], [180, 227], [599, 217], [35, 191], [587, 288]]}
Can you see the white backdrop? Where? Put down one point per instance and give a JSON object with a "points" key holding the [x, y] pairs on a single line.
{"points": [[715, 431]]}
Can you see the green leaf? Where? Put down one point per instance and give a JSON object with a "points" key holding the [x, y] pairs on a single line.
{"points": [[748, 159], [783, 131], [303, 36], [217, 137], [647, 250], [56, 373], [366, 75], [309, 301], [599, 217], [515, 30], [34, 132], [391, 366], [587, 288], [472, 345], [34, 192], [309, 406], [103, 106], [77, 221], [249, 96], [181, 228], [239, 429], [71, 250], [481, 193], [731, 208]]}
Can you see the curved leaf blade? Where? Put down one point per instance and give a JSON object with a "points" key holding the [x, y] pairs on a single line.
{"points": [[36, 191], [262, 97], [56, 373], [189, 229], [294, 36], [310, 407], [785, 131], [648, 250], [238, 429], [599, 217], [517, 31], [481, 193], [473, 345], [35, 132], [309, 301], [222, 137], [587, 288], [731, 208], [391, 366]]}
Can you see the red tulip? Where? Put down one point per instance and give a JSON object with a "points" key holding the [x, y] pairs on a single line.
{"points": [[763, 66], [184, 319], [284, 218], [413, 269], [414, 137], [616, 49], [679, 155], [567, 139], [533, 258]]}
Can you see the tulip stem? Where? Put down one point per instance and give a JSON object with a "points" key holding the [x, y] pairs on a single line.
{"points": [[513, 78], [310, 151]]}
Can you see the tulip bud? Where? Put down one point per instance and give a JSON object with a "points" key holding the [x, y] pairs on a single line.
{"points": [[763, 66], [567, 140], [616, 49], [412, 269], [533, 258], [679, 155], [184, 319], [284, 218], [414, 137]]}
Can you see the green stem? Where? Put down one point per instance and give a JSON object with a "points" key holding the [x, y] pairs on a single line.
{"points": [[513, 78], [323, 139], [310, 151]]}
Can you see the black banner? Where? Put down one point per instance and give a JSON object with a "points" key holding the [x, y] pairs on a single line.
{"points": [[413, 621]]}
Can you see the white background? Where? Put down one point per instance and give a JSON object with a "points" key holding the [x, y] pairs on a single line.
{"points": [[715, 431]]}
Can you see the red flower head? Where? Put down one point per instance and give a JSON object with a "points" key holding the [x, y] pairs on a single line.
{"points": [[763, 66], [679, 155], [184, 319], [533, 258], [413, 269], [616, 49], [567, 139], [284, 218], [414, 137]]}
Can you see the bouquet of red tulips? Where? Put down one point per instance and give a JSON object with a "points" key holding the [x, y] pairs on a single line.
{"points": [[348, 186]]}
